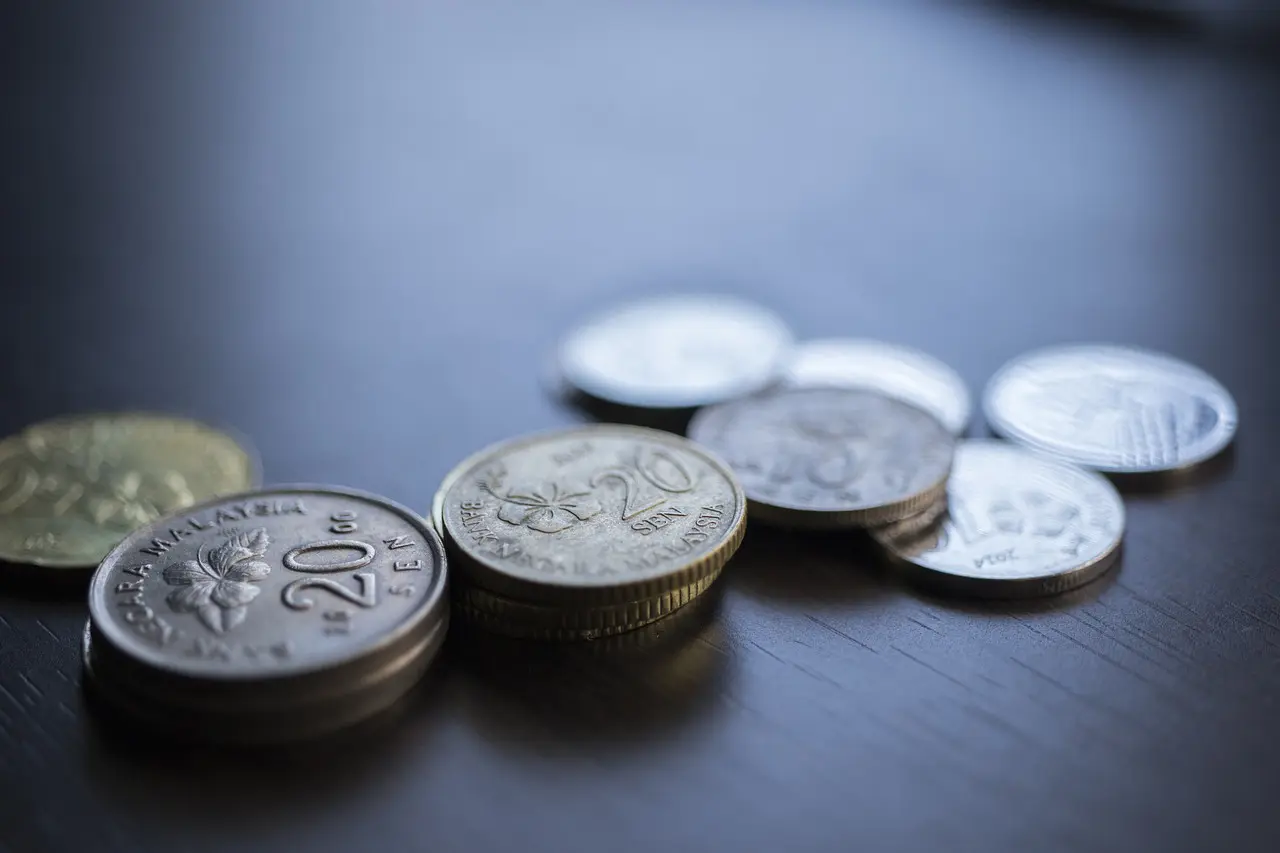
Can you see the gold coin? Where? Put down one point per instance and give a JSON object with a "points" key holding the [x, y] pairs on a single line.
{"points": [[72, 488], [598, 515]]}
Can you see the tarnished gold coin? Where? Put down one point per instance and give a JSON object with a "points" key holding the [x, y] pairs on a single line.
{"points": [[598, 515], [71, 488]]}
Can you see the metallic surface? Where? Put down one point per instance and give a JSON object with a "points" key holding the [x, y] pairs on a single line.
{"points": [[287, 588], [1115, 409], [71, 488], [676, 352], [900, 371], [1018, 524], [829, 457], [601, 514]]}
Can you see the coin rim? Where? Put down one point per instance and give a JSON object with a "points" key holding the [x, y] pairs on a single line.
{"points": [[1034, 586], [1004, 426], [789, 515], [786, 340], [932, 363], [489, 577], [431, 603], [237, 439]]}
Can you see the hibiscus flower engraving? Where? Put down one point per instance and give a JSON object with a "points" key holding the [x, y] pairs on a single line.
{"points": [[546, 508], [218, 584]]}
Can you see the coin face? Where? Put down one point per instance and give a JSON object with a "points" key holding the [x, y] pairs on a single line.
{"points": [[676, 352], [1017, 524], [603, 514], [829, 457], [270, 585], [1114, 409], [901, 372], [71, 488]]}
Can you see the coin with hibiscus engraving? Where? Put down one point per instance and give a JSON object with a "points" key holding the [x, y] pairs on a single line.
{"points": [[598, 515], [676, 352], [830, 458], [282, 595], [71, 488], [1017, 524]]}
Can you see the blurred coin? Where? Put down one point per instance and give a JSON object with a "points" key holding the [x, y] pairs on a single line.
{"points": [[1115, 409], [830, 457], [902, 372], [269, 598], [1018, 524], [676, 352], [71, 488], [601, 514]]}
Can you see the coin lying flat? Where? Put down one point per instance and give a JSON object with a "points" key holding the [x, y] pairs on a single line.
{"points": [[830, 457], [898, 371], [269, 600], [1018, 524], [597, 515], [1114, 409], [676, 352], [71, 488]]}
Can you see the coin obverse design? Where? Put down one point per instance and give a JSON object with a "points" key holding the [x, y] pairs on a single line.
{"points": [[282, 596], [829, 458], [898, 371], [1115, 409], [1018, 524], [676, 352], [597, 515], [71, 488]]}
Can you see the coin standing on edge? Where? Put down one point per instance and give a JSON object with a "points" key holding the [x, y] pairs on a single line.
{"points": [[830, 458], [899, 371], [1018, 525], [308, 604], [71, 488], [676, 352], [595, 516], [1115, 409]]}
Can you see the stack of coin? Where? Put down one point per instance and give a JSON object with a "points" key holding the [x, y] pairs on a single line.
{"points": [[587, 532], [267, 616]]}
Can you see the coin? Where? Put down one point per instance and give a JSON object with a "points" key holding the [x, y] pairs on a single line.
{"points": [[1115, 409], [1018, 524], [283, 594], [829, 458], [899, 371], [602, 514], [71, 488], [676, 352]]}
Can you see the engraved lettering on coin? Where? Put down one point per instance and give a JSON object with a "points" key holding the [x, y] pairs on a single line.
{"points": [[70, 489], [1016, 523], [597, 508], [1115, 409], [676, 352], [898, 371], [830, 457]]}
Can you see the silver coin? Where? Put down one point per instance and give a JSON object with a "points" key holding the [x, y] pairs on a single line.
{"points": [[1018, 524], [829, 457], [899, 371], [288, 592], [676, 352], [1114, 409]]}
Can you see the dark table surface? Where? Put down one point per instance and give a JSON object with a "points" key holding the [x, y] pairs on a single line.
{"points": [[354, 233]]}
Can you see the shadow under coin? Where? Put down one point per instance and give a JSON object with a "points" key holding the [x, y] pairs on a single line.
{"points": [[799, 568], [41, 583], [621, 691], [1213, 470]]}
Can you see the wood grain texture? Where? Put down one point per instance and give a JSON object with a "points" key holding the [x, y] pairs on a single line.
{"points": [[354, 232]]}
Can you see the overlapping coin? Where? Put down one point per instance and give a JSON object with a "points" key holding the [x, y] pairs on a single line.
{"points": [[268, 615], [830, 458], [1017, 524], [71, 488], [587, 532]]}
